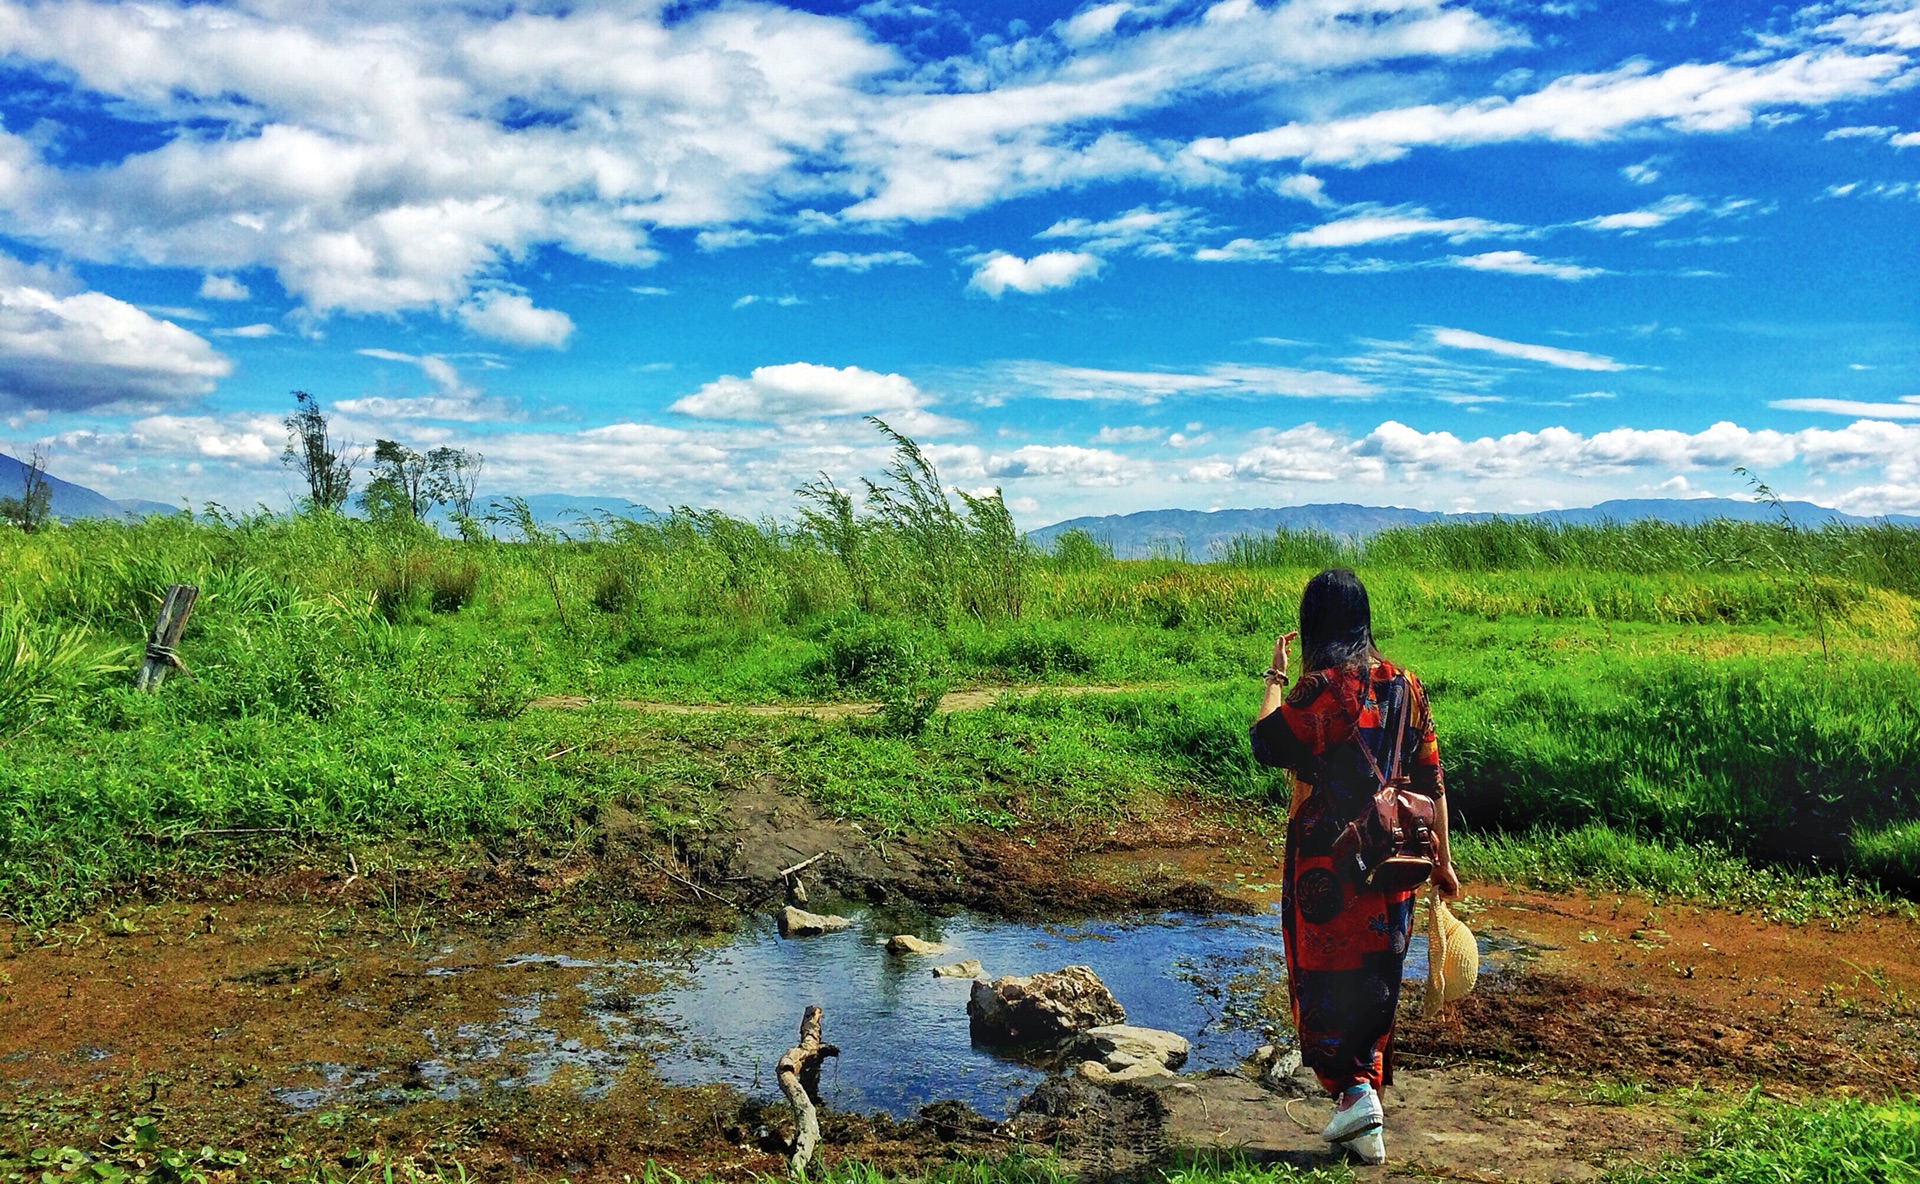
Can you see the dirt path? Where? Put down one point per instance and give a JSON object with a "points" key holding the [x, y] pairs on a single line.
{"points": [[972, 699]]}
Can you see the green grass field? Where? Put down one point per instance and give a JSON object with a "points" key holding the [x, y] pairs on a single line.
{"points": [[1753, 688]]}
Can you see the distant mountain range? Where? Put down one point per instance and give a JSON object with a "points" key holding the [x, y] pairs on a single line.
{"points": [[70, 501], [1196, 534], [1203, 534]]}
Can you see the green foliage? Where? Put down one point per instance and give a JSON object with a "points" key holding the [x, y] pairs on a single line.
{"points": [[140, 1155], [1844, 1141], [1598, 857], [355, 679]]}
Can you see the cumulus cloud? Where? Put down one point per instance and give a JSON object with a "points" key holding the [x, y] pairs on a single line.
{"points": [[1565, 359], [1521, 263], [842, 261], [806, 391], [86, 350], [223, 287], [1396, 453], [511, 317], [446, 144], [1045, 272], [1067, 462]]}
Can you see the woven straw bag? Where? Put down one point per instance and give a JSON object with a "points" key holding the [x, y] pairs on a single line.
{"points": [[1453, 958]]}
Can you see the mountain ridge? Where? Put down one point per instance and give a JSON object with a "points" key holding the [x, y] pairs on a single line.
{"points": [[1202, 534]]}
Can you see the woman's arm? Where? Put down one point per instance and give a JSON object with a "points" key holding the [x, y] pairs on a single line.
{"points": [[1276, 679], [1446, 881]]}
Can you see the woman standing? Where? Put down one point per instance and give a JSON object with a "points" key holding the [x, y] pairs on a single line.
{"points": [[1345, 942]]}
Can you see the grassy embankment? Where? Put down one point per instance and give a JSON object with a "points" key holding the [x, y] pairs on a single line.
{"points": [[1755, 688]]}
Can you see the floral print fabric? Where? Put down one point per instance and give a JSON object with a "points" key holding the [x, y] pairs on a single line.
{"points": [[1345, 944]]}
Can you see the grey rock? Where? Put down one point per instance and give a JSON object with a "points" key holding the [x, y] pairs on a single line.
{"points": [[1100, 1074], [800, 923], [1051, 1006], [1119, 1046], [971, 968], [906, 943]]}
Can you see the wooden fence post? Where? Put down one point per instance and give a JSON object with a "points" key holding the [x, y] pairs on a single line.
{"points": [[174, 611]]}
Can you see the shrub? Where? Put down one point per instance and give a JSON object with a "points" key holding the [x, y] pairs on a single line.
{"points": [[501, 690]]}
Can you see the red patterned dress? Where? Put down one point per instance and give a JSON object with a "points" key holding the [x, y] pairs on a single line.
{"points": [[1345, 944]]}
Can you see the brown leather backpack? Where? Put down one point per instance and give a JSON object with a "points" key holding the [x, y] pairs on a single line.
{"points": [[1391, 845]]}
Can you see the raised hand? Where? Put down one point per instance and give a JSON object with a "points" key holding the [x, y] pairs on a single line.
{"points": [[1280, 646]]}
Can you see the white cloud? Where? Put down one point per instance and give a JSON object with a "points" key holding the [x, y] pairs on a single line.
{"points": [[806, 390], [1905, 140], [1392, 225], [1644, 173], [1860, 133], [842, 261], [1046, 272], [260, 329], [453, 399], [1144, 230], [1579, 108], [1907, 407], [1647, 217], [1134, 434], [1068, 462], [1049, 380], [1565, 359], [86, 350], [1521, 263], [730, 237], [223, 287], [512, 317], [749, 300], [1302, 187]]}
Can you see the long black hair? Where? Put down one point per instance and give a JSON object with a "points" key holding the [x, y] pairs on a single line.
{"points": [[1336, 621]]}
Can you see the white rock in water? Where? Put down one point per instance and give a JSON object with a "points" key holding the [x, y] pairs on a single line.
{"points": [[969, 969], [1119, 1046], [800, 923], [1033, 1008], [906, 943]]}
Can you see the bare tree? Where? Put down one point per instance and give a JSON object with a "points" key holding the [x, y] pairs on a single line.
{"points": [[33, 507], [327, 470], [455, 476]]}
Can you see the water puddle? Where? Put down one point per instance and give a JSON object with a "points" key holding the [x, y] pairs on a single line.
{"points": [[903, 1032]]}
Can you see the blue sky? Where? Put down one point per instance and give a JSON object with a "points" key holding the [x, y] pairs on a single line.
{"points": [[1105, 257]]}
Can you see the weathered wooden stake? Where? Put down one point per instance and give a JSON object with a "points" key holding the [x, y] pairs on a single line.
{"points": [[174, 611], [798, 1072]]}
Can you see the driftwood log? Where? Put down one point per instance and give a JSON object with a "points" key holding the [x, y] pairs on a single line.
{"points": [[798, 1072], [160, 656]]}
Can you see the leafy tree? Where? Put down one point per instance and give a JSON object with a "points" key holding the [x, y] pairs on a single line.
{"points": [[327, 470], [33, 507], [402, 483], [453, 476]]}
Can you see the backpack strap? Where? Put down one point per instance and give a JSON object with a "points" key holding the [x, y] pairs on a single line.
{"points": [[1399, 741]]}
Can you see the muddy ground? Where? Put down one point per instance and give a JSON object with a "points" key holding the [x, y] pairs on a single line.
{"points": [[336, 1008]]}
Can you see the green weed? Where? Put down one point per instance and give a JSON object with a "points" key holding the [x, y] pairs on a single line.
{"points": [[1833, 1142]]}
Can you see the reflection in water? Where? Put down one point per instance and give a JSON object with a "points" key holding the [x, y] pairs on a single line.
{"points": [[903, 1032]]}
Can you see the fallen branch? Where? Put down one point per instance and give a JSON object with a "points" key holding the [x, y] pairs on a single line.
{"points": [[669, 873], [798, 1072], [785, 872], [182, 836]]}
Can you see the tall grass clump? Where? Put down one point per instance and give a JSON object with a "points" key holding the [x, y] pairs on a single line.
{"points": [[1882, 555]]}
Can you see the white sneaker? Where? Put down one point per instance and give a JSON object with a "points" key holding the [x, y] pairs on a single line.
{"points": [[1367, 1147], [1364, 1115]]}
